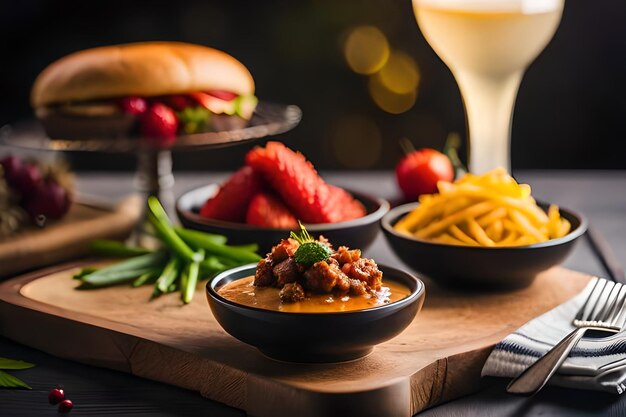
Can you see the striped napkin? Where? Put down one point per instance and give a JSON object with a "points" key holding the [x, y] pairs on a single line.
{"points": [[595, 363]]}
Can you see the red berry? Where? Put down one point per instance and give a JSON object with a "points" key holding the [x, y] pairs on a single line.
{"points": [[11, 166], [27, 180], [56, 395], [419, 171], [231, 201], [299, 186], [159, 124], [49, 200], [267, 211], [133, 105], [65, 406], [343, 206]]}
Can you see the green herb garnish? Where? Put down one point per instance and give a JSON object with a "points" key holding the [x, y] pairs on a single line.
{"points": [[245, 105], [194, 119], [9, 381], [310, 250]]}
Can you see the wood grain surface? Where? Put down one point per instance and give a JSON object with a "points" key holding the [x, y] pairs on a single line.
{"points": [[438, 357], [67, 238]]}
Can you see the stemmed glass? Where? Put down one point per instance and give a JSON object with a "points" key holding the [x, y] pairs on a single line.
{"points": [[488, 44]]}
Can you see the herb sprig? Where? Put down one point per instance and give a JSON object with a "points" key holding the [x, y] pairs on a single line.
{"points": [[9, 381], [310, 250]]}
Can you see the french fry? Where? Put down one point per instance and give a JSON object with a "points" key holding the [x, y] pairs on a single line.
{"points": [[490, 218], [495, 230], [456, 205], [419, 217], [509, 239], [532, 211], [462, 236], [526, 226], [564, 228], [554, 221], [479, 234], [402, 229], [446, 238], [524, 240], [470, 212]]}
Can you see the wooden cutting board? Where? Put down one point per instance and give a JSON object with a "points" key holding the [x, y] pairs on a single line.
{"points": [[437, 358], [68, 237]]}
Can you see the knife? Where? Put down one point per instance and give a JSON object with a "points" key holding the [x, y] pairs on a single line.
{"points": [[603, 251]]}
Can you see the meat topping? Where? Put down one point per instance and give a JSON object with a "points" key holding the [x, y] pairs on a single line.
{"points": [[344, 273], [264, 277], [286, 271], [323, 277], [357, 287], [285, 249], [345, 255], [291, 293], [364, 270]]}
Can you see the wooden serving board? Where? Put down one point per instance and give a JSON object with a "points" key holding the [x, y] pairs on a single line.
{"points": [[68, 237], [437, 358]]}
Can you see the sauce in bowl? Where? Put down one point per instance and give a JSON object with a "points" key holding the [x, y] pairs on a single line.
{"points": [[243, 291]]}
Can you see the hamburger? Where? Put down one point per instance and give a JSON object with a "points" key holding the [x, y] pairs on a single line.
{"points": [[153, 90]]}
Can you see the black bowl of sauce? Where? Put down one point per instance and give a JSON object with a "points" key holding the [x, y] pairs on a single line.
{"points": [[316, 330]]}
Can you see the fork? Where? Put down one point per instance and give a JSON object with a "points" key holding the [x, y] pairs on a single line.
{"points": [[603, 310]]}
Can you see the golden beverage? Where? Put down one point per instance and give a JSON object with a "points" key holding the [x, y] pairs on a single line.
{"points": [[487, 44]]}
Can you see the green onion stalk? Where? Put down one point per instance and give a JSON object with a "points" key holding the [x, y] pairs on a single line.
{"points": [[184, 258]]}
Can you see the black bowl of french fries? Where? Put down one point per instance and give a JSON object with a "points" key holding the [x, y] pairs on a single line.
{"points": [[482, 231]]}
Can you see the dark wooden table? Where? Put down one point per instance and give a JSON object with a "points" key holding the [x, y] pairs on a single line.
{"points": [[601, 196]]}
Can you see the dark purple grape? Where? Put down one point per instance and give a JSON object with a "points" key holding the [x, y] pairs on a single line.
{"points": [[49, 200], [27, 180], [11, 165]]}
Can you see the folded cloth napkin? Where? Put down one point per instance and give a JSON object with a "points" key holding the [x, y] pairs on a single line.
{"points": [[594, 364]]}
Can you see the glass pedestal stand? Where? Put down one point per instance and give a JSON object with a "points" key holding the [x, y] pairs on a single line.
{"points": [[154, 165], [153, 177]]}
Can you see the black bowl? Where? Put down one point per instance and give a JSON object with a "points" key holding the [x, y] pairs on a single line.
{"points": [[482, 267], [315, 337], [357, 233]]}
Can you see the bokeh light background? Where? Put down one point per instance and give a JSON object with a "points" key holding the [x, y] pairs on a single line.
{"points": [[360, 70]]}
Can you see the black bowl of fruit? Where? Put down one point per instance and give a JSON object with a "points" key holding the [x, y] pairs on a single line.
{"points": [[264, 200], [307, 302]]}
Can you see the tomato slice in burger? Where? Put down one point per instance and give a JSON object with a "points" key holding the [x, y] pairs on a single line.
{"points": [[202, 99], [213, 104], [222, 95]]}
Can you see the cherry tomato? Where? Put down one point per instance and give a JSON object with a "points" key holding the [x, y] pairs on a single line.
{"points": [[133, 105], [56, 395], [419, 171]]}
